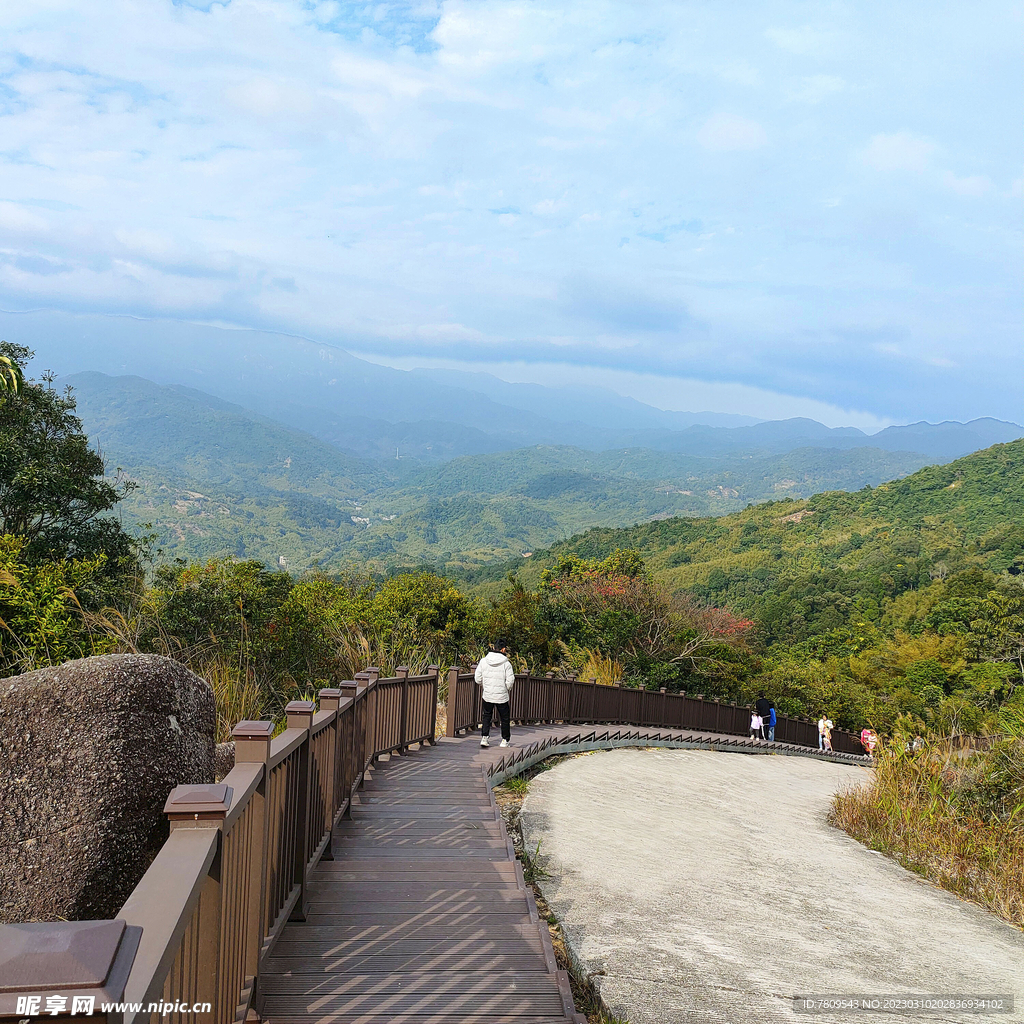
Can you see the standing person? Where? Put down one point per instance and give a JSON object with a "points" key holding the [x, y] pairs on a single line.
{"points": [[828, 733], [771, 724], [763, 706], [496, 675], [821, 732], [868, 740], [756, 726]]}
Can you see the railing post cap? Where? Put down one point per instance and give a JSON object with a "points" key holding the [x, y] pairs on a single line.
{"points": [[433, 668], [663, 690], [401, 668], [67, 958], [252, 730], [299, 707], [329, 691], [211, 800]]}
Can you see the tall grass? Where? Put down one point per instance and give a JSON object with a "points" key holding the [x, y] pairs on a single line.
{"points": [[587, 663], [357, 648], [243, 687], [954, 816]]}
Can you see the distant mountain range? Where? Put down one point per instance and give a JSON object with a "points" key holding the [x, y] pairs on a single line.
{"points": [[219, 479], [432, 415]]}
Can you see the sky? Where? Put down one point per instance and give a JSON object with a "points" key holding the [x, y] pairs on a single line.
{"points": [[774, 208]]}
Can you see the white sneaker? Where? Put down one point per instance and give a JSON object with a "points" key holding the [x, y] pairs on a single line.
{"points": [[484, 743], [504, 743]]}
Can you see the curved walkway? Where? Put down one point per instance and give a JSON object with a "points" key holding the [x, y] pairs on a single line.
{"points": [[707, 888], [421, 915]]}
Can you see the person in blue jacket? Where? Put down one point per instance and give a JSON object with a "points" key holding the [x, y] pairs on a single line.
{"points": [[771, 724]]}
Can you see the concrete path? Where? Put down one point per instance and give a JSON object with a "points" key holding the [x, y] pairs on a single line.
{"points": [[708, 887]]}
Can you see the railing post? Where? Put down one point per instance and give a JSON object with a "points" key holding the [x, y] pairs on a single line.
{"points": [[205, 806], [451, 701], [352, 749], [477, 702], [618, 702], [370, 674], [435, 671], [252, 746], [402, 672], [329, 699], [664, 708], [300, 716]]}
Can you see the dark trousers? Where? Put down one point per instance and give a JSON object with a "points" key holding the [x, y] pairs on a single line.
{"points": [[504, 714]]}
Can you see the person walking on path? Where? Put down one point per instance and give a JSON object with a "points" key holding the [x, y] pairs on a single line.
{"points": [[771, 724], [821, 732], [496, 675], [828, 733]]}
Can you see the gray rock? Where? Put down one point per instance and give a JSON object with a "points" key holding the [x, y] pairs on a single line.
{"points": [[90, 751], [224, 759]]}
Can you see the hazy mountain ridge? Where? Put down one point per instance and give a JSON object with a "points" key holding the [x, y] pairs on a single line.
{"points": [[376, 411], [218, 479]]}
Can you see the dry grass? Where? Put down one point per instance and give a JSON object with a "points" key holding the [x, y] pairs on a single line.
{"points": [[586, 663], [950, 815]]}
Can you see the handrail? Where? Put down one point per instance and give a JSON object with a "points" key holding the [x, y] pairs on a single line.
{"points": [[164, 905], [544, 699], [234, 870]]}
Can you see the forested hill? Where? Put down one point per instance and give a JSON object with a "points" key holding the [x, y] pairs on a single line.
{"points": [[806, 567], [216, 479]]}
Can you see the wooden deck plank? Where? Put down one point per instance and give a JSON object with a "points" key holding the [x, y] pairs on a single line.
{"points": [[423, 915]]}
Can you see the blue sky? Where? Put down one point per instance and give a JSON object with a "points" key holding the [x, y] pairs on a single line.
{"points": [[774, 208]]}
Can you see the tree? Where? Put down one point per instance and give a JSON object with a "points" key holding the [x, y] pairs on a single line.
{"points": [[40, 609], [11, 375], [428, 610], [615, 607], [53, 493], [515, 621]]}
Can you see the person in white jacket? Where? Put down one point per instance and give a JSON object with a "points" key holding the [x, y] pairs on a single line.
{"points": [[496, 675]]}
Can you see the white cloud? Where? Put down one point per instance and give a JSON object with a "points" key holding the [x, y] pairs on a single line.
{"points": [[433, 173], [900, 151], [971, 185], [805, 40], [723, 133], [817, 88]]}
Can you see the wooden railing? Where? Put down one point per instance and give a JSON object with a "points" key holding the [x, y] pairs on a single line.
{"points": [[544, 699], [235, 867]]}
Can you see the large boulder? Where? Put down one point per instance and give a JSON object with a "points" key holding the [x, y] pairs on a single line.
{"points": [[89, 751]]}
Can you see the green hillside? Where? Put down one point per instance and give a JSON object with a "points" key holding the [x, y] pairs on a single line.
{"points": [[216, 479], [806, 567]]}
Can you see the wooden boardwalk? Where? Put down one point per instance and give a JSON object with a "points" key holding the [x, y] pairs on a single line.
{"points": [[423, 915]]}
